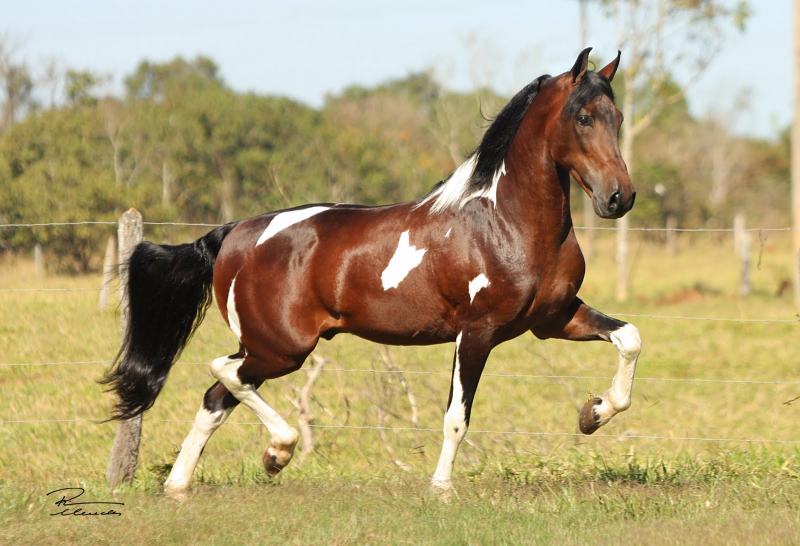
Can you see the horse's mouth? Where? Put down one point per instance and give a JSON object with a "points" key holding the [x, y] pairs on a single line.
{"points": [[582, 183]]}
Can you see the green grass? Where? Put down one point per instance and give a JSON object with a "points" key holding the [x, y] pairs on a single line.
{"points": [[558, 489]]}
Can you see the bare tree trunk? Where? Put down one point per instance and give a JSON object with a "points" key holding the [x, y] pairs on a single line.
{"points": [[108, 273], [230, 186], [38, 260], [742, 241], [671, 236], [113, 129], [304, 406], [167, 180], [623, 265], [720, 171], [796, 157]]}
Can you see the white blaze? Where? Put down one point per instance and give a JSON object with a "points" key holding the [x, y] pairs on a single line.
{"points": [[287, 219], [476, 284], [405, 258]]}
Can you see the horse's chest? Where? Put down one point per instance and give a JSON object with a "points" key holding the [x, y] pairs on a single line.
{"points": [[556, 281]]}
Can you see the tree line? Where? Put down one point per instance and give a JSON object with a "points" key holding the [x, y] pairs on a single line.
{"points": [[181, 145]]}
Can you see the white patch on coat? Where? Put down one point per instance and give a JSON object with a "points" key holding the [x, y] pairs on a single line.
{"points": [[455, 427], [453, 192], [284, 220], [405, 258], [491, 193], [476, 284], [226, 369], [447, 235], [627, 340], [233, 316]]}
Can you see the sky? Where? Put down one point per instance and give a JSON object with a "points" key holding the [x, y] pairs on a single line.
{"points": [[306, 49]]}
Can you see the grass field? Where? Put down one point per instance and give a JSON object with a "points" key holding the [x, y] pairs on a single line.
{"points": [[646, 478]]}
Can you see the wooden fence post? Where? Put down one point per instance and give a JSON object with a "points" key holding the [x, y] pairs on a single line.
{"points": [[125, 451], [38, 260], [741, 240], [671, 235], [108, 273]]}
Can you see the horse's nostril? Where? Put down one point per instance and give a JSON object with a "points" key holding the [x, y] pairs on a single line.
{"points": [[614, 202]]}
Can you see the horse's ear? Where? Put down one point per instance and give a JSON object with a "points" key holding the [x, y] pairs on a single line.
{"points": [[610, 69], [580, 66]]}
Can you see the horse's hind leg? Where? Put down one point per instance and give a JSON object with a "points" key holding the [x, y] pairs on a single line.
{"points": [[230, 371], [217, 404]]}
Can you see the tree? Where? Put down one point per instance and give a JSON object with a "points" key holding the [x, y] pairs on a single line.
{"points": [[80, 86], [656, 36], [16, 84]]}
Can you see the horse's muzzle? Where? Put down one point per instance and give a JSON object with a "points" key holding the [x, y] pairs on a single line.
{"points": [[615, 205]]}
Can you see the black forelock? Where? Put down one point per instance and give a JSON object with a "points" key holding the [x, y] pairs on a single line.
{"points": [[591, 86], [496, 141]]}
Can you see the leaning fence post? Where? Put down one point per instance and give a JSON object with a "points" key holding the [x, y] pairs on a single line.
{"points": [[741, 239], [125, 451], [108, 273]]}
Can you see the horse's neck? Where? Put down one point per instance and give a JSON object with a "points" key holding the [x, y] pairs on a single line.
{"points": [[534, 195]]}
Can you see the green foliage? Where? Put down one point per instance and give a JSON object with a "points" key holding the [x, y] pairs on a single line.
{"points": [[182, 146], [510, 488], [55, 166], [80, 85]]}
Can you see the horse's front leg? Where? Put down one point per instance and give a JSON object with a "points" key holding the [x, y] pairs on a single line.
{"points": [[582, 323], [470, 356]]}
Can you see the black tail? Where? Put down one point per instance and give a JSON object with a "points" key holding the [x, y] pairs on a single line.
{"points": [[169, 290]]}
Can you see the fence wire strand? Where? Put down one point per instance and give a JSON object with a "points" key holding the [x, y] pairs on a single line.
{"points": [[618, 437], [581, 228], [551, 377], [50, 289], [506, 375]]}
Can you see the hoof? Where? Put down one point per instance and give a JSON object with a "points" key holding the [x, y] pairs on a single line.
{"points": [[589, 421], [276, 457]]}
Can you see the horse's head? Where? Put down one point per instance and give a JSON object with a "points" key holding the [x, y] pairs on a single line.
{"points": [[584, 138]]}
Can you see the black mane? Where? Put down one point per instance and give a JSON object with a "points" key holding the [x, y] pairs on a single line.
{"points": [[497, 139]]}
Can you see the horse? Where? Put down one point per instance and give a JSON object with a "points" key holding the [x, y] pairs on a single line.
{"points": [[487, 255]]}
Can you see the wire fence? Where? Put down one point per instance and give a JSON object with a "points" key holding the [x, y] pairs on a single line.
{"points": [[618, 437], [501, 374], [582, 228], [795, 320]]}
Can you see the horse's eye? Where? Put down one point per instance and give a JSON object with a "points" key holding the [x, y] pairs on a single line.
{"points": [[584, 120]]}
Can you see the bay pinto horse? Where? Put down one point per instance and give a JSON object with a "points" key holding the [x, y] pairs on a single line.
{"points": [[489, 254]]}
